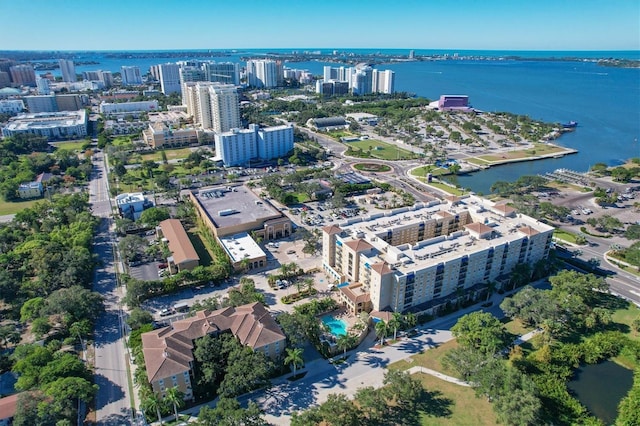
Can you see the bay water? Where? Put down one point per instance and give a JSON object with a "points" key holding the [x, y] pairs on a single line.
{"points": [[605, 101]]}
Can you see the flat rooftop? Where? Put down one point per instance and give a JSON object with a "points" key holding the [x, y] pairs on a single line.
{"points": [[47, 119], [240, 246], [238, 205], [489, 229]]}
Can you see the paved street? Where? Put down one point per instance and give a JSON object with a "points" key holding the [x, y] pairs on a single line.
{"points": [[113, 399]]}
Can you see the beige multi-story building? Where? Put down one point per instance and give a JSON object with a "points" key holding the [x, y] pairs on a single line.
{"points": [[159, 135], [168, 351], [214, 106], [233, 210], [183, 254], [415, 258]]}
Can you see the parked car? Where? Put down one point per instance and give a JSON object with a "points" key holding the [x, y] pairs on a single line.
{"points": [[166, 312], [162, 265]]}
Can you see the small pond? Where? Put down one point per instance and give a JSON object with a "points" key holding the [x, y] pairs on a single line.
{"points": [[601, 387]]}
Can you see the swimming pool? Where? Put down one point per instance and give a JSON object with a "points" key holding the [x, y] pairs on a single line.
{"points": [[337, 326]]}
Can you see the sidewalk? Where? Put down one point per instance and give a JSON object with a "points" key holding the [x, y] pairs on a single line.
{"points": [[364, 366]]}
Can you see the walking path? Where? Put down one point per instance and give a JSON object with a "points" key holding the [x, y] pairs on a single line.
{"points": [[364, 366]]}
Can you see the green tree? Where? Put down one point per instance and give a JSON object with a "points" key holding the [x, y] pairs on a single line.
{"points": [[153, 402], [520, 407], [402, 388], [344, 342], [175, 397], [154, 215], [340, 410], [629, 407], [132, 246], [66, 392], [520, 275], [395, 322], [139, 317], [246, 370], [294, 358], [480, 331], [382, 328], [229, 412], [373, 404]]}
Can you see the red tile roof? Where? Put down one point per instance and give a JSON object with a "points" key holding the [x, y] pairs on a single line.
{"points": [[179, 242], [359, 245], [169, 351]]}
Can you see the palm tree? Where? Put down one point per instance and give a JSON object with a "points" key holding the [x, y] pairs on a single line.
{"points": [[154, 403], [411, 320], [345, 341], [309, 283], [175, 397], [395, 322], [294, 358], [381, 330]]}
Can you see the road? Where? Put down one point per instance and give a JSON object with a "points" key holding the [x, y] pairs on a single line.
{"points": [[113, 400]]}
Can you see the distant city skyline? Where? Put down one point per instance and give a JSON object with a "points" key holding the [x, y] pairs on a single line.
{"points": [[410, 24]]}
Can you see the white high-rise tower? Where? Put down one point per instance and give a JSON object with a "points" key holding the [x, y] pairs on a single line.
{"points": [[68, 70]]}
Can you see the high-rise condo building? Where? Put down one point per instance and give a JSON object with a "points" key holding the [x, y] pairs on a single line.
{"points": [[43, 86], [221, 72], [130, 76], [68, 70], [383, 81], [239, 147], [416, 259], [23, 75], [262, 73], [107, 78], [214, 106], [169, 78], [362, 79]]}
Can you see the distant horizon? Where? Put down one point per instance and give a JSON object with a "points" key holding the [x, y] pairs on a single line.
{"points": [[544, 25], [298, 49]]}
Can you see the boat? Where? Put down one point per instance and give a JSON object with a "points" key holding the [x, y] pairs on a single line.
{"points": [[570, 125]]}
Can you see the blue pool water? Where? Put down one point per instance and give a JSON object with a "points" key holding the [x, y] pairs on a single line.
{"points": [[337, 326]]}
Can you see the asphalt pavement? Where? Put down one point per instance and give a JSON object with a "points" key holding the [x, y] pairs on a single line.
{"points": [[113, 404]]}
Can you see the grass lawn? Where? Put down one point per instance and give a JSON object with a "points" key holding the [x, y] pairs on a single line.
{"points": [[536, 151], [198, 244], [564, 236], [430, 358], [476, 161], [10, 207], [425, 170], [451, 404], [381, 150], [172, 154], [446, 188], [121, 141], [372, 167], [70, 145], [516, 327]]}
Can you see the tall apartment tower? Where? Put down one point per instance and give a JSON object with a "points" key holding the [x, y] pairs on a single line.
{"points": [[221, 72], [169, 78], [362, 80], [23, 75], [262, 73], [214, 106], [383, 81], [43, 86], [130, 76], [68, 70], [106, 77], [225, 107]]}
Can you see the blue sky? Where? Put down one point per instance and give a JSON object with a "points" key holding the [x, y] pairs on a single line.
{"points": [[414, 24]]}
